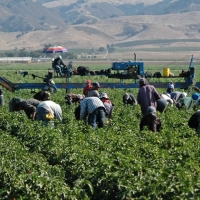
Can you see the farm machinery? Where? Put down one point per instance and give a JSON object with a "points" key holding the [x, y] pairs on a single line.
{"points": [[132, 70]]}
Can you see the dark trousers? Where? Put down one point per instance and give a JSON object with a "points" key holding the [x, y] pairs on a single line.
{"points": [[97, 118]]}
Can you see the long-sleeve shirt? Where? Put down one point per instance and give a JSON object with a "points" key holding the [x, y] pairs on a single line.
{"points": [[29, 106], [152, 122], [131, 100], [12, 103], [168, 99], [88, 105], [176, 95], [109, 108], [50, 106], [147, 96], [93, 93], [86, 89]]}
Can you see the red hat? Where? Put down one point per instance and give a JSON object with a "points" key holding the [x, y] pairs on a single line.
{"points": [[88, 81]]}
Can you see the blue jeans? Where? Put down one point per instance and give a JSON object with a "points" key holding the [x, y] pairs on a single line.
{"points": [[2, 100], [97, 118], [53, 86], [59, 69]]}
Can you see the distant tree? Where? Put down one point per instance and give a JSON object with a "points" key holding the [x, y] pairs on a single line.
{"points": [[47, 45], [101, 49], [108, 46]]}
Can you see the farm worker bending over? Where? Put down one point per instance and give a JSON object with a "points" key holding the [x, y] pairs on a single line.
{"points": [[197, 103], [12, 103], [109, 106], [58, 65], [41, 95], [87, 87], [194, 121], [147, 95], [128, 98], [170, 88], [175, 96], [93, 92], [1, 98], [167, 97], [47, 111], [150, 120], [28, 106], [186, 102], [93, 108]]}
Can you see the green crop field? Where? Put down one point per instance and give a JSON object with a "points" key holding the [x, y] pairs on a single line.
{"points": [[72, 161]]}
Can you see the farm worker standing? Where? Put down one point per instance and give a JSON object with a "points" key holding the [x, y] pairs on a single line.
{"points": [[147, 95], [150, 120], [128, 98], [93, 92], [12, 103], [28, 106], [109, 106], [41, 95], [93, 108], [1, 98], [87, 87], [58, 65], [47, 110]]}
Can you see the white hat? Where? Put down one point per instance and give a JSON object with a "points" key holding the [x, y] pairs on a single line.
{"points": [[103, 95]]}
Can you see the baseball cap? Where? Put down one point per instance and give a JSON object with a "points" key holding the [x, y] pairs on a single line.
{"points": [[103, 95], [88, 81], [96, 84]]}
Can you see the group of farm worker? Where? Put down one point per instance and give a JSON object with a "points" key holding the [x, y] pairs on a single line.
{"points": [[94, 107]]}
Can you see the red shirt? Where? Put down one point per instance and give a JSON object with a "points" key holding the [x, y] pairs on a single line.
{"points": [[86, 89]]}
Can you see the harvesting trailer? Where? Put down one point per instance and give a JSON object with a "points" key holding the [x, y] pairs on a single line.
{"points": [[122, 70], [127, 70]]}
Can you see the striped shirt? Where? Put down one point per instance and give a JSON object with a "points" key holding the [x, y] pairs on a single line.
{"points": [[88, 105]]}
